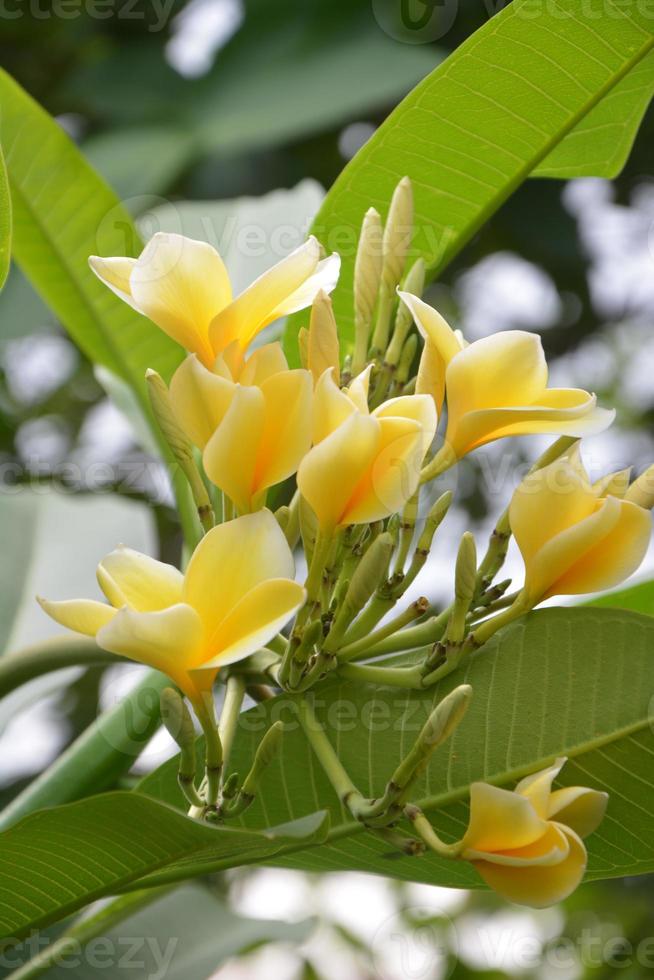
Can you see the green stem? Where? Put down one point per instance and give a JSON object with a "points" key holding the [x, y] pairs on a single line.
{"points": [[229, 715], [352, 650], [43, 658], [204, 709], [427, 833], [99, 757], [425, 634], [442, 461], [334, 769]]}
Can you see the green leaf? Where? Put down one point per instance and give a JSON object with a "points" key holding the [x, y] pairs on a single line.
{"points": [[190, 933], [574, 682], [600, 145], [639, 598], [64, 212], [90, 849], [5, 222], [482, 122], [18, 524]]}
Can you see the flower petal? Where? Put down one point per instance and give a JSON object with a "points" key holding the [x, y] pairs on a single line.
{"points": [[394, 475], [420, 408], [500, 820], [431, 374], [200, 399], [551, 848], [115, 273], [433, 326], [81, 615], [331, 406], [257, 305], [129, 578], [262, 364], [330, 473], [538, 885], [501, 371], [609, 560], [230, 456], [170, 640], [537, 787], [181, 284], [287, 427], [323, 280], [579, 808], [231, 560], [254, 620]]}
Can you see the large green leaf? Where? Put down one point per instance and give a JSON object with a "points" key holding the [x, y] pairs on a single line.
{"points": [[485, 119], [83, 851], [638, 598], [63, 212], [575, 682], [189, 934], [600, 144], [5, 222]]}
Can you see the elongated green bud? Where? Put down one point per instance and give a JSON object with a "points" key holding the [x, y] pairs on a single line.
{"points": [[265, 753], [465, 582], [443, 720], [433, 521], [159, 396], [180, 445], [415, 284], [323, 349], [409, 352], [370, 572], [177, 720], [367, 279], [398, 232], [641, 491]]}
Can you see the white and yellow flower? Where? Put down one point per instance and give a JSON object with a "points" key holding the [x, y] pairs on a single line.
{"points": [[527, 843], [364, 465], [576, 537], [182, 285], [496, 386], [237, 593]]}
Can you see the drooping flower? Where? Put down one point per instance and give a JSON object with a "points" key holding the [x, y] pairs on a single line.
{"points": [[237, 593], [364, 465], [496, 386], [253, 420], [576, 537], [182, 285], [527, 843]]}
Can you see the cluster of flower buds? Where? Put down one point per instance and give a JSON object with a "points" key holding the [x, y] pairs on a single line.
{"points": [[354, 431]]}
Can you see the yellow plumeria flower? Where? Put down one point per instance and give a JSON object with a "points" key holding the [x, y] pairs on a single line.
{"points": [[364, 465], [575, 537], [254, 431], [496, 386], [237, 593], [527, 843], [182, 285]]}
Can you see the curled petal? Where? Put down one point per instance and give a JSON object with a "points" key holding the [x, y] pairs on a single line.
{"points": [[170, 640], [433, 327], [329, 474], [254, 621], [358, 389], [538, 885], [579, 808], [129, 578], [231, 560], [181, 284], [257, 305], [393, 477], [81, 615], [420, 408], [230, 456], [115, 272], [262, 364], [537, 787], [500, 820], [200, 399], [286, 436], [431, 374], [331, 406]]}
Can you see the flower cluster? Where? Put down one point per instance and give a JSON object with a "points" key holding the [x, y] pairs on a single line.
{"points": [[347, 439]]}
